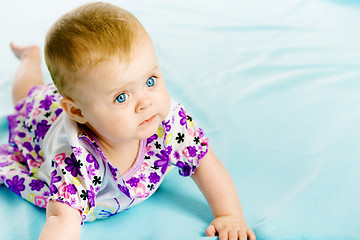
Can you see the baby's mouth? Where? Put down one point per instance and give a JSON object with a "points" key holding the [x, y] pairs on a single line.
{"points": [[147, 120]]}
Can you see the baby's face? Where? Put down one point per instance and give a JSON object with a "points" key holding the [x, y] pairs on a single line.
{"points": [[124, 101]]}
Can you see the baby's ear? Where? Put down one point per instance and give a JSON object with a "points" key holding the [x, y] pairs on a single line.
{"points": [[74, 112]]}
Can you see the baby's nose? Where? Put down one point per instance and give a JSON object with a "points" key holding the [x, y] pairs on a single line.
{"points": [[143, 104]]}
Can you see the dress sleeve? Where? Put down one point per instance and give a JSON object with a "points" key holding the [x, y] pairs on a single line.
{"points": [[185, 142], [73, 179], [71, 169]]}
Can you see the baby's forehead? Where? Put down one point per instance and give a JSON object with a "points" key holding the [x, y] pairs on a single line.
{"points": [[98, 59], [139, 65]]}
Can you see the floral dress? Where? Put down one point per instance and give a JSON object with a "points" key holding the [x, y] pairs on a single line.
{"points": [[51, 157]]}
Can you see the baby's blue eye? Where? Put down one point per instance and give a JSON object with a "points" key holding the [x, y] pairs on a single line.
{"points": [[150, 82], [121, 98]]}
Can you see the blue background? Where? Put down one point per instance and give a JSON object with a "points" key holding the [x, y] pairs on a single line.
{"points": [[276, 87]]}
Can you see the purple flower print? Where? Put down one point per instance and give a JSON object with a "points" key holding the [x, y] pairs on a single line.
{"points": [[28, 157], [176, 155], [90, 171], [72, 202], [21, 134], [192, 151], [124, 189], [13, 123], [70, 188], [154, 178], [46, 103], [4, 149], [152, 138], [37, 149], [91, 159], [182, 115], [58, 111], [36, 185], [200, 133], [41, 129], [167, 126], [202, 154], [19, 106], [169, 150], [112, 170], [185, 169], [73, 165], [142, 177], [91, 196], [33, 89], [4, 164], [29, 108], [16, 185], [77, 151], [133, 181], [28, 146], [163, 161], [54, 179]]}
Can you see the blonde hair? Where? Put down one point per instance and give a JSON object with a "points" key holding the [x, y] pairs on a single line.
{"points": [[86, 36]]}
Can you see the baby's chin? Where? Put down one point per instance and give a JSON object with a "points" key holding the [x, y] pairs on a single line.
{"points": [[147, 136], [153, 130]]}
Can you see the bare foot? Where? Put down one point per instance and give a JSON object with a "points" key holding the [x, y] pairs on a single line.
{"points": [[22, 52]]}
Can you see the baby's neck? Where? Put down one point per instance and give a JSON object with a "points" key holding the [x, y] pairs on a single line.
{"points": [[123, 155]]}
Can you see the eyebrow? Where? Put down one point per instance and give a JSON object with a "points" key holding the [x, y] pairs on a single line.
{"points": [[118, 89]]}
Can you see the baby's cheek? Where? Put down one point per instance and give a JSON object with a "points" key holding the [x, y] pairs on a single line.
{"points": [[166, 104]]}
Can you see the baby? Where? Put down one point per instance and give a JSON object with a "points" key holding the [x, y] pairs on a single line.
{"points": [[104, 134]]}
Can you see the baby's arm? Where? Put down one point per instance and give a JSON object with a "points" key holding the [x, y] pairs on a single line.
{"points": [[218, 188], [62, 222]]}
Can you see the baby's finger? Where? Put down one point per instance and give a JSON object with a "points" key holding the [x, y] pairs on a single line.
{"points": [[242, 235], [210, 231], [233, 235], [251, 234], [223, 235]]}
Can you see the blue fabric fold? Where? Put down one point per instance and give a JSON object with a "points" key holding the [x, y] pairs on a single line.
{"points": [[275, 86]]}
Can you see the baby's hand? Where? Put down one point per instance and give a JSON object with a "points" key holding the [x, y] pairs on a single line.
{"points": [[230, 228]]}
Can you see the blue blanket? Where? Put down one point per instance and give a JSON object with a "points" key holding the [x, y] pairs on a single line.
{"points": [[276, 87]]}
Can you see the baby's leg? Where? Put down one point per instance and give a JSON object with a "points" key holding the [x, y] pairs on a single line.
{"points": [[29, 72]]}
